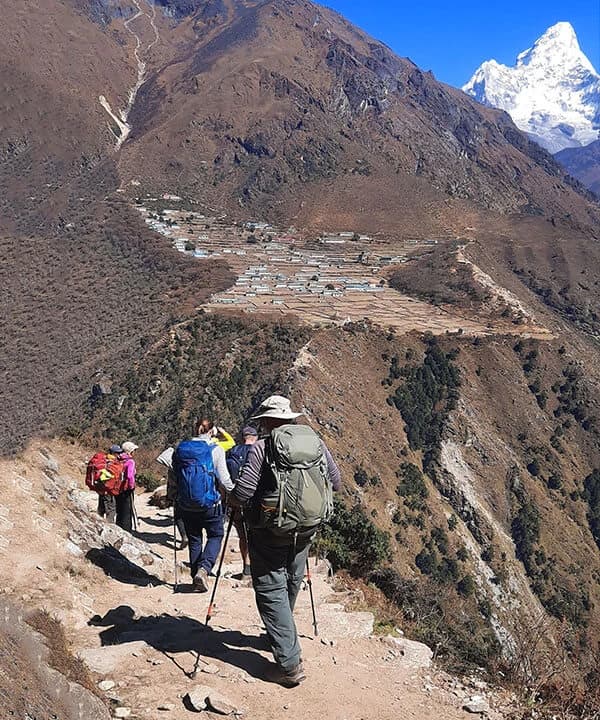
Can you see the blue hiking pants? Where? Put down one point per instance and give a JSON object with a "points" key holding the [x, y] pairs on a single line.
{"points": [[198, 523]]}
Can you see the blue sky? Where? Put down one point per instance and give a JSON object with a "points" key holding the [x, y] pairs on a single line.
{"points": [[452, 38]]}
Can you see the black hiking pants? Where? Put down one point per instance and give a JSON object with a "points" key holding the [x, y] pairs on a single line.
{"points": [[124, 510]]}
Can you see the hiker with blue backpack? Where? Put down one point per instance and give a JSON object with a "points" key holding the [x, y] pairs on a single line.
{"points": [[236, 459], [200, 471], [286, 491]]}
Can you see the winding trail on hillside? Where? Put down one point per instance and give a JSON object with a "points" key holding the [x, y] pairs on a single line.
{"points": [[121, 119]]}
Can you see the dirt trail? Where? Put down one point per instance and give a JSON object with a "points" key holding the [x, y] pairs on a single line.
{"points": [[115, 598], [122, 119]]}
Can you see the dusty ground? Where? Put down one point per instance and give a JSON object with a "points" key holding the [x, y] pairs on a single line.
{"points": [[130, 626]]}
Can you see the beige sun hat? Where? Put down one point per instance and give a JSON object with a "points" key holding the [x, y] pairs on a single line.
{"points": [[276, 406], [129, 447]]}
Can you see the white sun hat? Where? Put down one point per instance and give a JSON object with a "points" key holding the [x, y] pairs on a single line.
{"points": [[129, 447], [276, 406]]}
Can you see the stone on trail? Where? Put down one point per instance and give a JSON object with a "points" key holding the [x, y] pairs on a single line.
{"points": [[105, 660], [166, 707], [477, 705], [197, 697], [106, 685], [335, 622], [414, 654], [220, 704], [211, 669], [122, 712]]}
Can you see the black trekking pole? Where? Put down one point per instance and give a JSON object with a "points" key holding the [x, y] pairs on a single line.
{"points": [[175, 586], [218, 575], [312, 599]]}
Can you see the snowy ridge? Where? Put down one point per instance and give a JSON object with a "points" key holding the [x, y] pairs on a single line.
{"points": [[552, 93]]}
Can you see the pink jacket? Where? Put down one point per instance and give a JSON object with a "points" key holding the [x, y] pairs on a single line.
{"points": [[129, 472]]}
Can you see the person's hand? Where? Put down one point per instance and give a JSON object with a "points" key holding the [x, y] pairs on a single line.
{"points": [[232, 501]]}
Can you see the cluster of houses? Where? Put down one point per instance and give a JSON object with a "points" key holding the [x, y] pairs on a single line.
{"points": [[274, 266]]}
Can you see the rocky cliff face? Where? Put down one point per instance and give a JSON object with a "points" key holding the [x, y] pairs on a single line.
{"points": [[552, 93]]}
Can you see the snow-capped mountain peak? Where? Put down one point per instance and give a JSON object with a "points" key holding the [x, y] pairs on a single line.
{"points": [[552, 92]]}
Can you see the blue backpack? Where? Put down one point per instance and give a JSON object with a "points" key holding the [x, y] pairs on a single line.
{"points": [[236, 459], [195, 473]]}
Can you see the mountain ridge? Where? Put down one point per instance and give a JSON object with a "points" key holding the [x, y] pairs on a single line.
{"points": [[552, 92]]}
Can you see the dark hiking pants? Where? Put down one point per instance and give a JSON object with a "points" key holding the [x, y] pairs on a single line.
{"points": [[196, 524], [277, 574], [124, 507], [107, 507]]}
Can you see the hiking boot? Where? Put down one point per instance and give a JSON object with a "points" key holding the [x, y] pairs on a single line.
{"points": [[289, 678], [200, 581]]}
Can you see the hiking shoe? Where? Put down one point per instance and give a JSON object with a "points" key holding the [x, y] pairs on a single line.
{"points": [[289, 678], [200, 581]]}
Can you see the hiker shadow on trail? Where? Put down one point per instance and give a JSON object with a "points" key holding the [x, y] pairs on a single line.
{"points": [[173, 635], [160, 521], [154, 538], [117, 566]]}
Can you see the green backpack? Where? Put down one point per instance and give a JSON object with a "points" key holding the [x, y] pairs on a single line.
{"points": [[301, 497]]}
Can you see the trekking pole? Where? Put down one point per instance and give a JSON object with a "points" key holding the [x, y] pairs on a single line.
{"points": [[134, 516], [175, 548], [214, 590], [312, 599]]}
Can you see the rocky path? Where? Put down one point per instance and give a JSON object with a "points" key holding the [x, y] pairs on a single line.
{"points": [[141, 639]]}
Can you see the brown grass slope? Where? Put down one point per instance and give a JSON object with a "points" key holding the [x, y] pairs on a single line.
{"points": [[83, 281]]}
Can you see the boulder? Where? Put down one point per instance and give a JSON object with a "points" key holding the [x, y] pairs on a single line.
{"points": [[109, 658], [477, 705], [159, 498], [197, 697], [220, 704], [414, 654]]}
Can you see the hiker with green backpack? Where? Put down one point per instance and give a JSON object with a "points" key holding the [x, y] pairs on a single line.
{"points": [[286, 491]]}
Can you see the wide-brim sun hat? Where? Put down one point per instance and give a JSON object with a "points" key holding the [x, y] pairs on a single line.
{"points": [[278, 407], [129, 447]]}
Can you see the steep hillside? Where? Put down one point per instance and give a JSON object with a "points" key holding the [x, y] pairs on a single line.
{"points": [[584, 164], [291, 111]]}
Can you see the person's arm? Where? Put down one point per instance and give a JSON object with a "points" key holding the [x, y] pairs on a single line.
{"points": [[335, 476], [247, 483], [221, 470], [224, 439], [171, 486]]}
